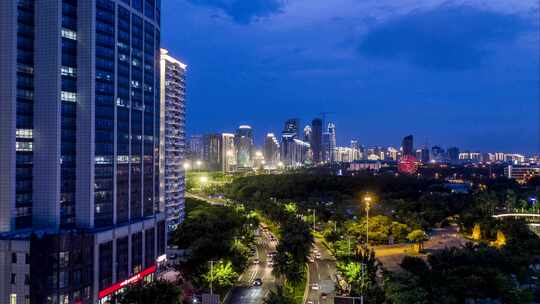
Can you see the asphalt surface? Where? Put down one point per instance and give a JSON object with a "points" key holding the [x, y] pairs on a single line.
{"points": [[245, 292], [323, 273]]}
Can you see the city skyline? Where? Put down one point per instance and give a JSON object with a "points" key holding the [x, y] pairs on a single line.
{"points": [[264, 63]]}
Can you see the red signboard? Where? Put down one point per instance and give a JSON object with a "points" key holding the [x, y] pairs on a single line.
{"points": [[134, 279]]}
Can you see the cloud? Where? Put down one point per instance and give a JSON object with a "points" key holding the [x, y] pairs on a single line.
{"points": [[445, 38], [244, 11]]}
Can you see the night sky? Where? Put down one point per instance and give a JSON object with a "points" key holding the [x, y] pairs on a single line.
{"points": [[453, 73]]}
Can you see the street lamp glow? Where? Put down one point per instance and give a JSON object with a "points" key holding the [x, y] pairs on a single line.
{"points": [[230, 153], [258, 153], [186, 166], [199, 163], [204, 179], [367, 199], [280, 164]]}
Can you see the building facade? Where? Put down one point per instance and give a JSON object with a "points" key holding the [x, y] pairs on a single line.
{"points": [[172, 138], [407, 146], [244, 147], [79, 189], [271, 151], [316, 140]]}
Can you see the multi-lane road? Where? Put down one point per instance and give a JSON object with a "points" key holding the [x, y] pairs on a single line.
{"points": [[322, 276], [245, 292]]}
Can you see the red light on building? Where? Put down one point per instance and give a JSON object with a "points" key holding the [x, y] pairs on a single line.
{"points": [[134, 279], [408, 164]]}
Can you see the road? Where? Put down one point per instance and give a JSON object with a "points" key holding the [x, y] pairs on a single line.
{"points": [[244, 292], [323, 273]]}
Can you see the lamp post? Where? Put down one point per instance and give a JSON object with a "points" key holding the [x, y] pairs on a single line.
{"points": [[367, 200]]}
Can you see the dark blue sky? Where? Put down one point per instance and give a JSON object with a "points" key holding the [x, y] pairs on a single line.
{"points": [[461, 72]]}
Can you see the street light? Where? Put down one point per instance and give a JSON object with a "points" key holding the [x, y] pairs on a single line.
{"points": [[187, 166], [367, 200]]}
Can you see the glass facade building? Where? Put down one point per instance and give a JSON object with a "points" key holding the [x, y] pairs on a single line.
{"points": [[80, 184]]}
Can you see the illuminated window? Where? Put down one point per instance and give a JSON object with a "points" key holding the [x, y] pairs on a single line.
{"points": [[69, 34], [24, 133], [68, 96], [13, 298], [23, 146], [68, 71]]}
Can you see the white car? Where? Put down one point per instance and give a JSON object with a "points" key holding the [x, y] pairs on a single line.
{"points": [[315, 286], [318, 256]]}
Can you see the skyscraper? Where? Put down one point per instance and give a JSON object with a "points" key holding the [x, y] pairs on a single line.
{"points": [[332, 141], [424, 155], [244, 147], [307, 133], [196, 146], [172, 137], [271, 150], [219, 152], [316, 140], [79, 139], [453, 155], [292, 126], [213, 151], [407, 145]]}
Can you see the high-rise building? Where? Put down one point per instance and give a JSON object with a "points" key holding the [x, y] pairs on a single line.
{"points": [[407, 146], [316, 140], [437, 154], [292, 126], [356, 151], [213, 151], [307, 134], [271, 150], [79, 139], [196, 147], [329, 143], [453, 155], [424, 155], [172, 138], [219, 152], [244, 147], [229, 155]]}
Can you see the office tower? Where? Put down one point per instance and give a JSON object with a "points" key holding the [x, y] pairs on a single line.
{"points": [[172, 138], [244, 147], [330, 142], [196, 148], [355, 148], [316, 140], [307, 134], [271, 150], [292, 126], [407, 145], [453, 155], [437, 154], [79, 139], [219, 152], [424, 155], [229, 155], [213, 151]]}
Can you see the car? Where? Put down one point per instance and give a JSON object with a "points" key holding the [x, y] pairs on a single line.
{"points": [[318, 256], [324, 295], [256, 261], [257, 282], [270, 263], [311, 259], [309, 302], [315, 286]]}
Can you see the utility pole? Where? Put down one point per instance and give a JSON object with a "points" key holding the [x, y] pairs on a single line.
{"points": [[211, 276], [313, 218]]}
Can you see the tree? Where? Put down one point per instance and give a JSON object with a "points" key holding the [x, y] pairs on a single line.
{"points": [[157, 292], [279, 296], [222, 275], [477, 232], [405, 289], [418, 236]]}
